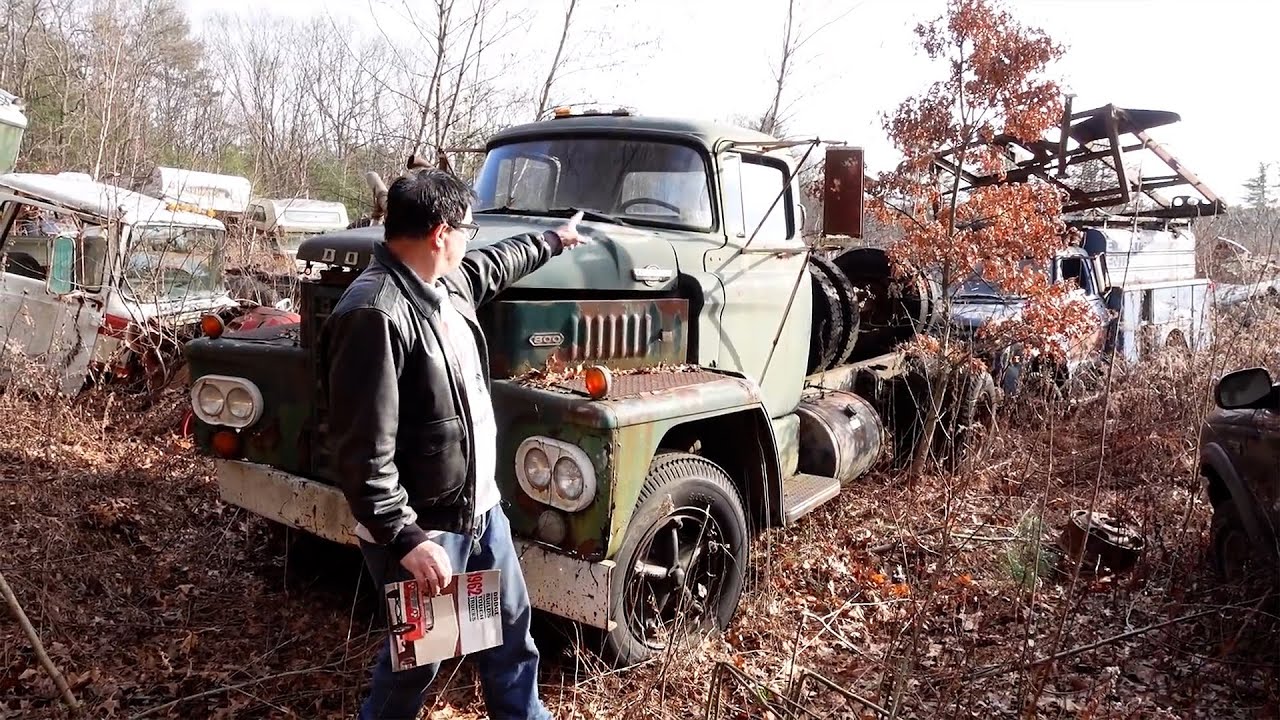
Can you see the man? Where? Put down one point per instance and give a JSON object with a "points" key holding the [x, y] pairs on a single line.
{"points": [[412, 428]]}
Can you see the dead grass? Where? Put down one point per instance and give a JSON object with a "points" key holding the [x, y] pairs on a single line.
{"points": [[934, 600]]}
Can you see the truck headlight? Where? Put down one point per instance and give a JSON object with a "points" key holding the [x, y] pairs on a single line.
{"points": [[556, 473], [225, 400], [569, 481]]}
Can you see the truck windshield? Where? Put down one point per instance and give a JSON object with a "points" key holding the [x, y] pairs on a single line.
{"points": [[170, 263], [639, 181]]}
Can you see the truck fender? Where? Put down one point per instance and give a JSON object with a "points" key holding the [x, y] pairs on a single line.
{"points": [[730, 429], [1216, 466]]}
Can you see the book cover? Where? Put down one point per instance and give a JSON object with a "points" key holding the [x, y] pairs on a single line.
{"points": [[464, 618]]}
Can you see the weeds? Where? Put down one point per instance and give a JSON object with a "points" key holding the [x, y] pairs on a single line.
{"points": [[949, 599]]}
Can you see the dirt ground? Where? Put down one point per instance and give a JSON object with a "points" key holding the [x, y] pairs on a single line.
{"points": [[945, 597]]}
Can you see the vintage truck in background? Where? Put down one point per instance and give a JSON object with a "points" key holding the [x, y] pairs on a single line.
{"points": [[728, 380], [1134, 263], [13, 125], [96, 278]]}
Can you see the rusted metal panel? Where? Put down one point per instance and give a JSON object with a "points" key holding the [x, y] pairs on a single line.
{"points": [[842, 191], [566, 587], [286, 498]]}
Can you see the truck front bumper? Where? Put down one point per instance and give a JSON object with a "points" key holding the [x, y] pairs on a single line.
{"points": [[558, 584]]}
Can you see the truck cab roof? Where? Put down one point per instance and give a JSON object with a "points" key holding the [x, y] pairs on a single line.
{"points": [[104, 201], [709, 136]]}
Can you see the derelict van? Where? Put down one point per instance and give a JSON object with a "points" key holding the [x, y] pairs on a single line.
{"points": [[286, 222], [86, 268]]}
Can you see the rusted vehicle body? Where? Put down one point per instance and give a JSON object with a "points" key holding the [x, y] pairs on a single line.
{"points": [[1135, 261], [1240, 461], [719, 377], [96, 277]]}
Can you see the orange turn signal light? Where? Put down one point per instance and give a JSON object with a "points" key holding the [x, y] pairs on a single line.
{"points": [[212, 326], [226, 443], [598, 381]]}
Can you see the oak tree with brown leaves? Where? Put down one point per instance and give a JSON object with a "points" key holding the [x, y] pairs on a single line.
{"points": [[996, 82]]}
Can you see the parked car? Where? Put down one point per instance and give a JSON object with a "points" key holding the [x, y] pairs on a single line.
{"points": [[1240, 460]]}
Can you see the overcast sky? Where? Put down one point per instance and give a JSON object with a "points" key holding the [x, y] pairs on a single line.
{"points": [[1211, 62]]}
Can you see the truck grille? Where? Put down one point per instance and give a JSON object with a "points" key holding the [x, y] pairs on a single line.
{"points": [[611, 336], [527, 334]]}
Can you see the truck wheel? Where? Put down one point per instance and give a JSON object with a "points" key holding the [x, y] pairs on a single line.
{"points": [[1231, 548], [683, 563], [850, 308], [827, 325]]}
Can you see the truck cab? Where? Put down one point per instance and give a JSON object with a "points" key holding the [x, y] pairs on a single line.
{"points": [[283, 223], [93, 276], [657, 394], [1239, 454]]}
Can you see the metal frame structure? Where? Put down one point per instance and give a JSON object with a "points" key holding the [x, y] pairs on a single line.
{"points": [[1101, 135]]}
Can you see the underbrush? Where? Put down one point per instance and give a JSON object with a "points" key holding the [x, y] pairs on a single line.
{"points": [[946, 597]]}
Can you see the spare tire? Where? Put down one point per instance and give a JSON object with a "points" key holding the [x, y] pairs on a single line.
{"points": [[827, 325], [849, 307]]}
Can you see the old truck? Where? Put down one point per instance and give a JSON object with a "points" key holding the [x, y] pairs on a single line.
{"points": [[94, 277], [13, 124], [696, 374], [1134, 263]]}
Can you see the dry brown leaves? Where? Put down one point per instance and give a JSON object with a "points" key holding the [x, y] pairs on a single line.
{"points": [[935, 594]]}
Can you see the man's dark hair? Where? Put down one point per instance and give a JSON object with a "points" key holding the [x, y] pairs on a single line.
{"points": [[423, 199]]}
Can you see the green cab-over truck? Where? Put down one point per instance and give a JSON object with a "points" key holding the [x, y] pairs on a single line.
{"points": [[727, 376]]}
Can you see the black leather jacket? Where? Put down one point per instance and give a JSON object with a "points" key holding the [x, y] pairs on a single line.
{"points": [[399, 429]]}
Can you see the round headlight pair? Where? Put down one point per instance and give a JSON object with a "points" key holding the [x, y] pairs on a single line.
{"points": [[566, 474], [221, 400], [236, 401], [556, 473]]}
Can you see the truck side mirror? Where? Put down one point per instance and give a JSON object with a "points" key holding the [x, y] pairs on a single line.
{"points": [[1244, 389], [62, 257], [842, 188]]}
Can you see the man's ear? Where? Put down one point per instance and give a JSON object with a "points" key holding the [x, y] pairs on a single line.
{"points": [[437, 236]]}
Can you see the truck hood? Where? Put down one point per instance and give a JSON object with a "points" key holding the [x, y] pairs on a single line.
{"points": [[968, 316], [616, 257]]}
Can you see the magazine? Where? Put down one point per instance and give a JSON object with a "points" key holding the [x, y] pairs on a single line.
{"points": [[465, 617]]}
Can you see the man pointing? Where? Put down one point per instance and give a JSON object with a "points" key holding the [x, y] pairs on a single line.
{"points": [[405, 367]]}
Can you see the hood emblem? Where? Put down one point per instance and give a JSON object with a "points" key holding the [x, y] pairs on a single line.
{"points": [[546, 339], [651, 275]]}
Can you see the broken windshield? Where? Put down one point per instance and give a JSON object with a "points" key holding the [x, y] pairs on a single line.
{"points": [[637, 181], [169, 263]]}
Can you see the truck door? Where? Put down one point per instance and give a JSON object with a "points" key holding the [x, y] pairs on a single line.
{"points": [[1079, 270], [51, 267], [759, 277]]}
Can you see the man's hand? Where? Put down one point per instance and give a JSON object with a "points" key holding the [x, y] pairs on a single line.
{"points": [[429, 564], [568, 232]]}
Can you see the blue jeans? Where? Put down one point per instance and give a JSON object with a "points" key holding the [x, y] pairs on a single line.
{"points": [[508, 672]]}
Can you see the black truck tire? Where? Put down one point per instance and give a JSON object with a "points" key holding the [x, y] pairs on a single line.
{"points": [[693, 499], [827, 324], [849, 307]]}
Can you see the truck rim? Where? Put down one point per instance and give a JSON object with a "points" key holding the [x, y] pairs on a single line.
{"points": [[678, 576]]}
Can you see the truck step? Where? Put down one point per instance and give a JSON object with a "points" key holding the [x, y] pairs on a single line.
{"points": [[802, 494]]}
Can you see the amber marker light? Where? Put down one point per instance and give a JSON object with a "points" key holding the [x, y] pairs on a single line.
{"points": [[211, 326], [226, 443], [598, 380]]}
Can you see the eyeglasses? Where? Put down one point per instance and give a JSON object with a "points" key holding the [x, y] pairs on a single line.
{"points": [[471, 229]]}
